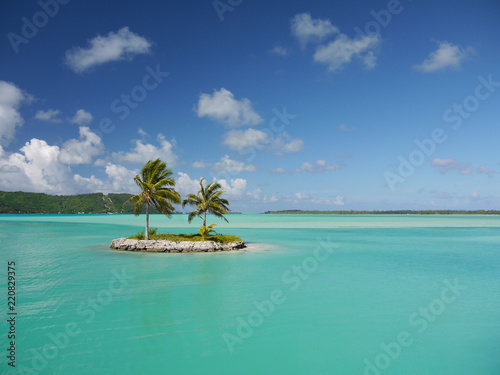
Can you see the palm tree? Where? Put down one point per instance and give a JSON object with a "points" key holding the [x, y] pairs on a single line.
{"points": [[208, 200], [157, 185]]}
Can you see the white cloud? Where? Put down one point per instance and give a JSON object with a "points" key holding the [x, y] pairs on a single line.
{"points": [[345, 128], [278, 50], [318, 166], [305, 167], [82, 150], [142, 152], [281, 144], [201, 164], [322, 166], [284, 144], [35, 168], [343, 50], [338, 201], [221, 106], [121, 45], [308, 30], [272, 199], [11, 98], [302, 196], [50, 115], [228, 165], [447, 55], [236, 188], [242, 139], [121, 179], [82, 117], [185, 185]]}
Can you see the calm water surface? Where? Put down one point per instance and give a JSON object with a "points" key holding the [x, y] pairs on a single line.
{"points": [[315, 294]]}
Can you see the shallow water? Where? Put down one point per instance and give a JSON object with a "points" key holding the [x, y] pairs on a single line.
{"points": [[313, 295]]}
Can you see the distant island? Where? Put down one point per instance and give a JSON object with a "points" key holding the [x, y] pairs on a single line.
{"points": [[393, 212], [19, 202]]}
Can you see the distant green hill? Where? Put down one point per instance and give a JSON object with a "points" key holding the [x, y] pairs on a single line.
{"points": [[19, 202], [395, 212]]}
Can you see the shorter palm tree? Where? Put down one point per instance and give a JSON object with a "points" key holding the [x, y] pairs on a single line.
{"points": [[207, 231], [158, 191], [208, 200]]}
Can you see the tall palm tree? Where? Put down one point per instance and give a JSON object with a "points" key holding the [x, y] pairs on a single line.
{"points": [[208, 200], [157, 185]]}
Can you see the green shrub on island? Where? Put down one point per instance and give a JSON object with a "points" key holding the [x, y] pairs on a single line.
{"points": [[206, 231]]}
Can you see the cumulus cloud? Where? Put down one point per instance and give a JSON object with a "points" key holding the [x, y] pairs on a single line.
{"points": [[142, 152], [50, 115], [448, 55], [121, 179], [11, 98], [241, 139], [35, 168], [235, 188], [185, 185], [309, 30], [226, 164], [343, 50], [114, 46], [82, 150], [281, 143], [221, 106], [82, 117], [318, 166]]}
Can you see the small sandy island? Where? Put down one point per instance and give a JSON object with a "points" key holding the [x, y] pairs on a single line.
{"points": [[164, 246]]}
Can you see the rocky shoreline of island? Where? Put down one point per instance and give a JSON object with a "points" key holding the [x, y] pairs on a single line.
{"points": [[165, 246]]}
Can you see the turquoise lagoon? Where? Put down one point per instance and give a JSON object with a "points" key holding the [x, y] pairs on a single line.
{"points": [[313, 294]]}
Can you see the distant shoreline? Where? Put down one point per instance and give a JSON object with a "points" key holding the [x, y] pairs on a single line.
{"points": [[391, 212]]}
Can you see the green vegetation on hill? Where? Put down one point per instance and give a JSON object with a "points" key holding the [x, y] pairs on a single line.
{"points": [[395, 212], [19, 202]]}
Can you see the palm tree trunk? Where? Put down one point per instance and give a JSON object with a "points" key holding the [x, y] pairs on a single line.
{"points": [[146, 235], [205, 218]]}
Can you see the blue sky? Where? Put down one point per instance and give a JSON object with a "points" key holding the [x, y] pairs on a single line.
{"points": [[291, 105]]}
